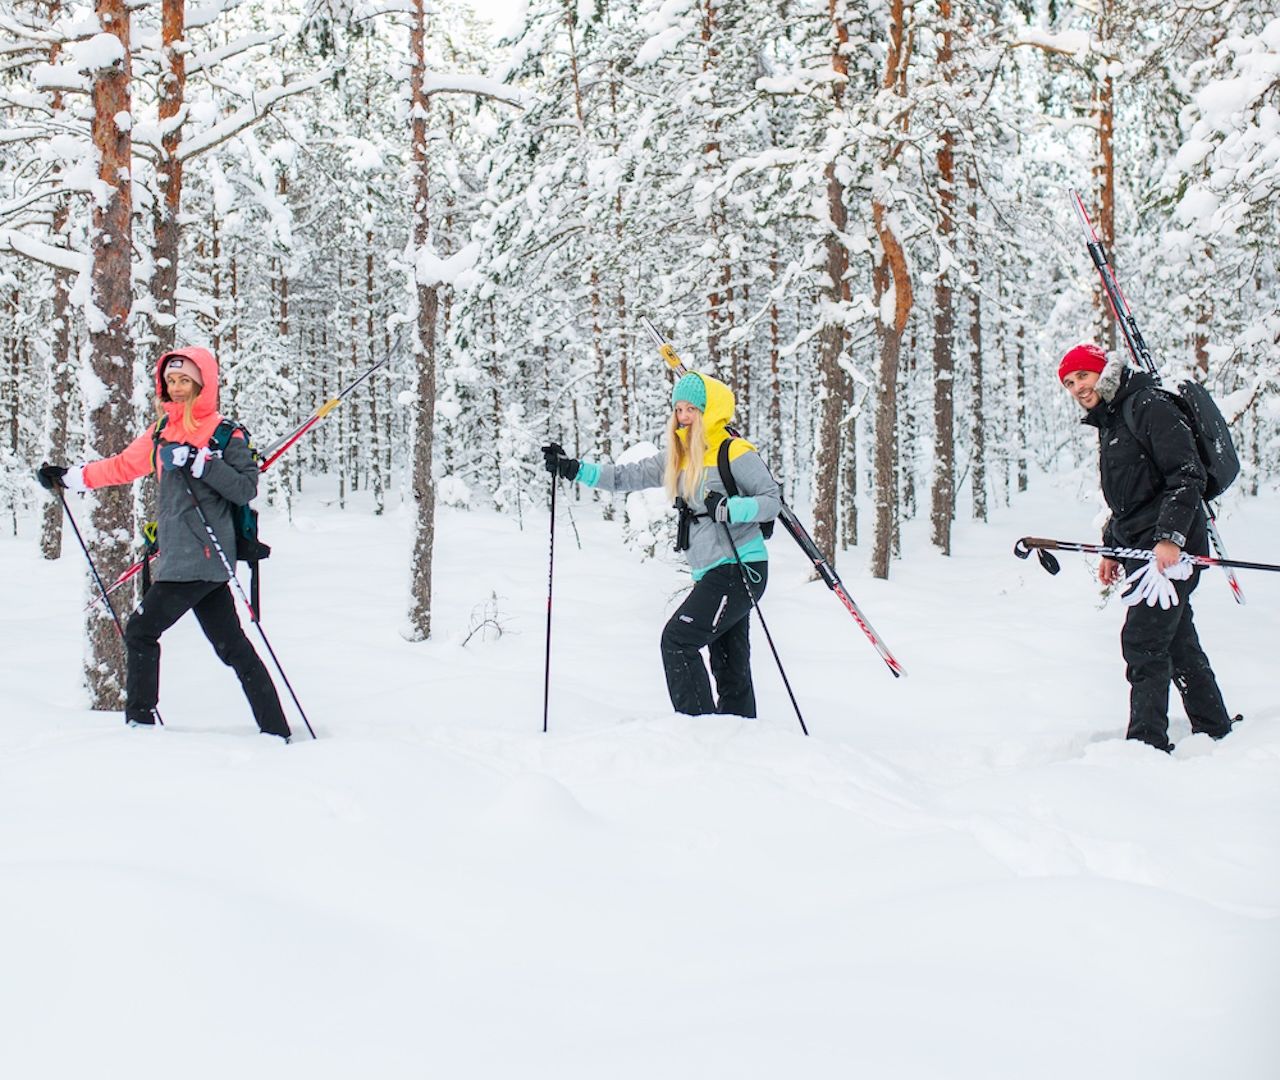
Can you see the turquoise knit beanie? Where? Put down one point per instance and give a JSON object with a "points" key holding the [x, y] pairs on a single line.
{"points": [[692, 389]]}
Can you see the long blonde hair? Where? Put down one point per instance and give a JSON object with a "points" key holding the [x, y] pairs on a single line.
{"points": [[188, 409], [683, 472]]}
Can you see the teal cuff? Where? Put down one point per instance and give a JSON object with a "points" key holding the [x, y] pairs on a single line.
{"points": [[743, 509], [588, 473]]}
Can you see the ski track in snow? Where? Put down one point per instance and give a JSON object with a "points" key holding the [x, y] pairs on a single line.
{"points": [[963, 873]]}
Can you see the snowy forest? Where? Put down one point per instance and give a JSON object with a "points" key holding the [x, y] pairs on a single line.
{"points": [[856, 214], [425, 239]]}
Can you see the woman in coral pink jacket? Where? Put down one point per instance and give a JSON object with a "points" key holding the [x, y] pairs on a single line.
{"points": [[189, 575]]}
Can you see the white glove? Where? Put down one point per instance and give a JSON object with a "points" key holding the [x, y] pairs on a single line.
{"points": [[74, 479], [1179, 571], [201, 459], [1151, 586]]}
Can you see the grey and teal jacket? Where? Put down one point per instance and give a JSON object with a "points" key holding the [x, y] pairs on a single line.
{"points": [[758, 497]]}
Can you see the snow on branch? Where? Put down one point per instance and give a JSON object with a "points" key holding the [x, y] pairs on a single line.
{"points": [[1065, 43], [59, 258], [212, 57], [249, 114], [477, 85]]}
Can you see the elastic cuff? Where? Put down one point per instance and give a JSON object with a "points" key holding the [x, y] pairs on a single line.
{"points": [[74, 479], [588, 473]]}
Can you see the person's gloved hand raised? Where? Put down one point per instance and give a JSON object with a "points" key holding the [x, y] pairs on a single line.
{"points": [[53, 477], [555, 462], [175, 456], [717, 506]]}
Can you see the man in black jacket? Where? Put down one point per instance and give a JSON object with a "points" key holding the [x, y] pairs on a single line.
{"points": [[1153, 481]]}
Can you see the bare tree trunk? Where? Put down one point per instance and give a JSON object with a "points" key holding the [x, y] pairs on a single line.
{"points": [[978, 465], [62, 378], [890, 274], [831, 339], [111, 416], [63, 386], [173, 78], [775, 383], [377, 474], [849, 474], [1104, 173], [424, 345], [1021, 369], [943, 510]]}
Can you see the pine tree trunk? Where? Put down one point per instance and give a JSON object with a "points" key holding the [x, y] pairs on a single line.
{"points": [[424, 345], [377, 474], [63, 384], [890, 274], [111, 416], [942, 511], [173, 78], [978, 465], [775, 382], [831, 339], [1021, 376], [1104, 173], [891, 278], [62, 377]]}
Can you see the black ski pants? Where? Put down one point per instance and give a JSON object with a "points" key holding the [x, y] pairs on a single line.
{"points": [[162, 606], [1160, 646], [716, 615]]}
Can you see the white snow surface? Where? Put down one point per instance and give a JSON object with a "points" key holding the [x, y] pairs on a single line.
{"points": [[965, 873]]}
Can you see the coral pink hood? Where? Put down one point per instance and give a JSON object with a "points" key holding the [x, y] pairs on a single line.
{"points": [[205, 407]]}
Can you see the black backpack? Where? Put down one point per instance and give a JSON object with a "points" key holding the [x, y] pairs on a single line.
{"points": [[1211, 431], [730, 486]]}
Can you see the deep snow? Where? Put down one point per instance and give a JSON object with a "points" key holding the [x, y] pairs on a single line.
{"points": [[965, 873]]}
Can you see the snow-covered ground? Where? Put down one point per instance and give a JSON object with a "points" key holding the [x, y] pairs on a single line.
{"points": [[966, 873]]}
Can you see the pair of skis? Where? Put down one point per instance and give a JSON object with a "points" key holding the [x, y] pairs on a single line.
{"points": [[1142, 357], [797, 530], [267, 458]]}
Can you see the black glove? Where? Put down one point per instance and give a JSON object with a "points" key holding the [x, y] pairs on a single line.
{"points": [[50, 476], [555, 461], [717, 506]]}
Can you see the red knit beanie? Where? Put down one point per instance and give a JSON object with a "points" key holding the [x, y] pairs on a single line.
{"points": [[1083, 357]]}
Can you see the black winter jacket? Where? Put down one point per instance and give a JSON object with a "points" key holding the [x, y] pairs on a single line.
{"points": [[1154, 484]]}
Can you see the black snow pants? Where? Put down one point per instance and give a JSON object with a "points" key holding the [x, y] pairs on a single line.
{"points": [[1159, 646], [162, 606], [717, 616]]}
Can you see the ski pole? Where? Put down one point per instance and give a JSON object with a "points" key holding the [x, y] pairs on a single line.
{"points": [[235, 581], [742, 573], [1142, 357], [269, 455], [97, 577], [1042, 547], [282, 444], [797, 530], [551, 571]]}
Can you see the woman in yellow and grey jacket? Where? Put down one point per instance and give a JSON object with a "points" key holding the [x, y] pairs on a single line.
{"points": [[717, 532]]}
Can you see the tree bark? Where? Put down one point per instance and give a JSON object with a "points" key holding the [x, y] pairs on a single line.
{"points": [[891, 273], [424, 345], [111, 417], [173, 79], [831, 339], [942, 511], [62, 376], [978, 466]]}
